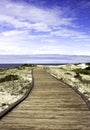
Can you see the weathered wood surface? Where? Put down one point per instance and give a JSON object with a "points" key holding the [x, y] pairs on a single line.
{"points": [[51, 105]]}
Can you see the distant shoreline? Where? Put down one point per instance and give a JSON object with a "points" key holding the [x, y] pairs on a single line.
{"points": [[10, 65]]}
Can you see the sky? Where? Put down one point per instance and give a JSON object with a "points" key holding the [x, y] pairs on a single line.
{"points": [[45, 27]]}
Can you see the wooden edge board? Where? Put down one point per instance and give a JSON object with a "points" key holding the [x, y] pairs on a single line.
{"points": [[76, 90], [7, 110]]}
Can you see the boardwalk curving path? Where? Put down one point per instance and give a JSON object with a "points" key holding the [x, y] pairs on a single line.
{"points": [[51, 105]]}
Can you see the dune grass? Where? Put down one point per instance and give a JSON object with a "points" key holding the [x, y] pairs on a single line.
{"points": [[76, 75], [14, 82]]}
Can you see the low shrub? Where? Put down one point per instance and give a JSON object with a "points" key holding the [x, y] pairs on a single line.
{"points": [[9, 78], [87, 68], [78, 76], [88, 64], [83, 71]]}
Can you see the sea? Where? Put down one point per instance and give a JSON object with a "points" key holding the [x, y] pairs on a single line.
{"points": [[7, 61]]}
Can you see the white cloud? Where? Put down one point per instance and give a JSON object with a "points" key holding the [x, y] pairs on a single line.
{"points": [[35, 30], [12, 47], [41, 27], [68, 33], [6, 47], [49, 50], [28, 16], [61, 49], [12, 33]]}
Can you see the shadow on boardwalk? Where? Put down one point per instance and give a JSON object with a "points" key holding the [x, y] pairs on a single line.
{"points": [[52, 105]]}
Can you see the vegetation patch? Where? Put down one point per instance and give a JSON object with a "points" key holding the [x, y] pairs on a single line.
{"points": [[9, 78], [14, 82], [76, 75], [83, 71]]}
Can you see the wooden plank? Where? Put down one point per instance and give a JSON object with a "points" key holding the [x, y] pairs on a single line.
{"points": [[52, 105]]}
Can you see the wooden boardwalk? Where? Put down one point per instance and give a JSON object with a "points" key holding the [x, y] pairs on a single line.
{"points": [[52, 105]]}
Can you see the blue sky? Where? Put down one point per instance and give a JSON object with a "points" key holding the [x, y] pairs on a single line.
{"points": [[45, 27]]}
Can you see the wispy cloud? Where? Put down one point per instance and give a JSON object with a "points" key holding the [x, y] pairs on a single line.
{"points": [[30, 16], [69, 33], [33, 29]]}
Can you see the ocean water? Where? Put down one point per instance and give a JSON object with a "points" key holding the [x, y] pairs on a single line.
{"points": [[7, 60]]}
